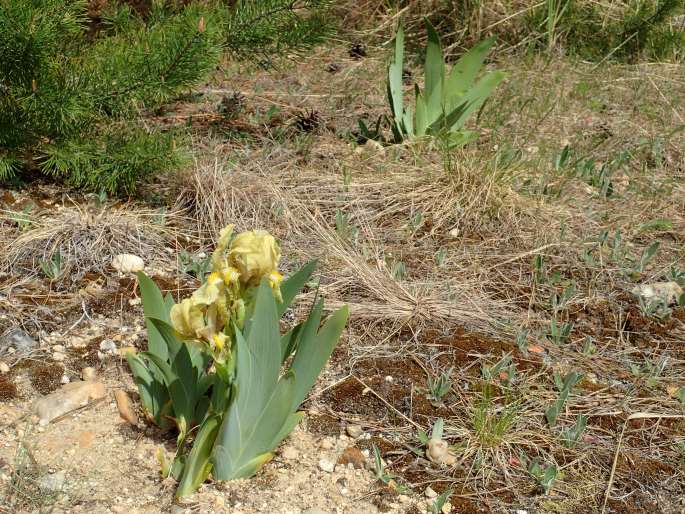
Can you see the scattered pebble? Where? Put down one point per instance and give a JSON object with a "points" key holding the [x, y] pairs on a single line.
{"points": [[128, 263], [430, 493], [439, 452], [66, 398], [53, 482], [65, 379], [126, 411], [446, 508], [4, 367], [327, 444], [326, 465], [58, 357], [108, 346], [354, 431], [354, 456]]}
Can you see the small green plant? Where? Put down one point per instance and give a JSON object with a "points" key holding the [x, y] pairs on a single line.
{"points": [[439, 503], [345, 230], [491, 422], [214, 362], [676, 275], [572, 435], [23, 218], [559, 333], [52, 267], [565, 386], [383, 475], [650, 370], [448, 99], [398, 270], [544, 476], [589, 347], [522, 341], [657, 308], [639, 264], [440, 256], [196, 265], [491, 373], [438, 388]]}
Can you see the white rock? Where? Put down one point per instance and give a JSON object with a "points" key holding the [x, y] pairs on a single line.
{"points": [[58, 357], [53, 482], [4, 367], [430, 493], [354, 431], [327, 444], [67, 398], [668, 292], [446, 508], [65, 379], [108, 346], [327, 465], [58, 348], [128, 263]]}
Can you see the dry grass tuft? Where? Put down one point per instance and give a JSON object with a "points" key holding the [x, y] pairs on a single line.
{"points": [[87, 238]]}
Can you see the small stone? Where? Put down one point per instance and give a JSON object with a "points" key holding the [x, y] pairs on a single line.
{"points": [[134, 301], [4, 367], [67, 398], [65, 379], [290, 453], [403, 498], [125, 409], [454, 233], [58, 348], [354, 431], [446, 508], [58, 357], [128, 263], [53, 482], [108, 346], [430, 493], [327, 465], [389, 379], [354, 456], [88, 373], [327, 444], [439, 452]]}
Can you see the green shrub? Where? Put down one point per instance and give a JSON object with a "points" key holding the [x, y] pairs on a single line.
{"points": [[73, 93], [632, 30]]}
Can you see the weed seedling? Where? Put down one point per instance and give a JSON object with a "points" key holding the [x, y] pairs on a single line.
{"points": [[564, 386], [545, 477], [196, 265], [571, 435], [439, 503], [438, 388], [52, 267]]}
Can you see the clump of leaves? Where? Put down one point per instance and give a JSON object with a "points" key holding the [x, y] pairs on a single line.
{"points": [[565, 386], [438, 388], [448, 99], [544, 476]]}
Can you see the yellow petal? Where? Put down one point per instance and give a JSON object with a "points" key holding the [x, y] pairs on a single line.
{"points": [[222, 245]]}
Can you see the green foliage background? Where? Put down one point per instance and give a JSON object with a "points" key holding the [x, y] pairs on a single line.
{"points": [[73, 92]]}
